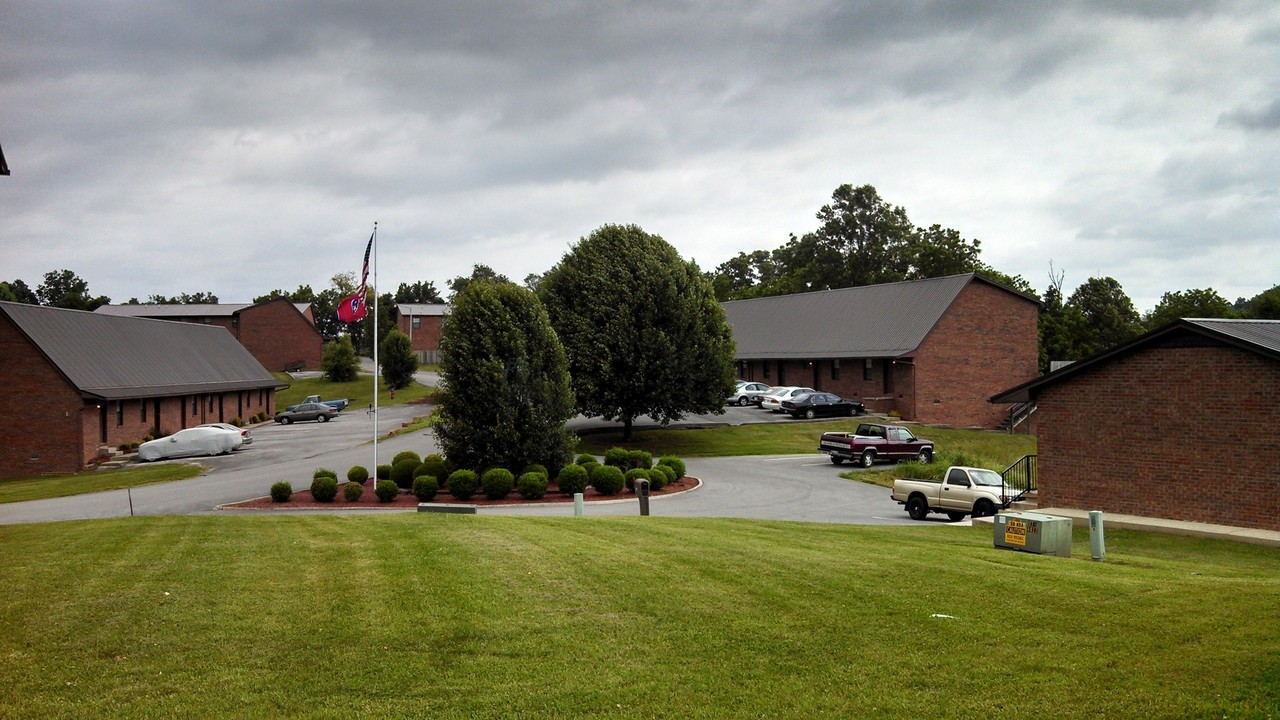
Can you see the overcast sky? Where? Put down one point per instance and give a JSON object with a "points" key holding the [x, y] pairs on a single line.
{"points": [[235, 147]]}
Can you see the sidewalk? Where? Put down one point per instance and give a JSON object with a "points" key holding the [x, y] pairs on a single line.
{"points": [[1116, 521]]}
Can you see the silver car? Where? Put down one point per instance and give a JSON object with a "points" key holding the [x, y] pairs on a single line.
{"points": [[747, 393]]}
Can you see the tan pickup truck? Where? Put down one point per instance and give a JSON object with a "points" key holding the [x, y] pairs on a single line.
{"points": [[962, 491]]}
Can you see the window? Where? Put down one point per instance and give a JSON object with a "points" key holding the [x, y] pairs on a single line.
{"points": [[888, 377], [417, 322], [195, 406], [210, 403], [867, 366], [142, 410], [119, 413], [766, 368], [835, 369]]}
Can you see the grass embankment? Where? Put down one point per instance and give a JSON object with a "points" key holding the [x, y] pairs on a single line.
{"points": [[358, 392], [52, 486], [460, 617]]}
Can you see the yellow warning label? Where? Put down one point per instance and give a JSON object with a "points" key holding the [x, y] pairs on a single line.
{"points": [[1015, 532]]}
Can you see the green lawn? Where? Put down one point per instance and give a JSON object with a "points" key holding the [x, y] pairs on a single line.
{"points": [[464, 616], [358, 392], [51, 486]]}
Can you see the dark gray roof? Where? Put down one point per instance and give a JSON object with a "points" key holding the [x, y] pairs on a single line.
{"points": [[110, 357], [872, 321], [147, 310], [1258, 336]]}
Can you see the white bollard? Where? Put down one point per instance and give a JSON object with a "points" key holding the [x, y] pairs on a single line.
{"points": [[577, 504], [1097, 540]]}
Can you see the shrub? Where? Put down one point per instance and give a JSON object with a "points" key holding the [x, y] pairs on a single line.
{"points": [[237, 422], [462, 484], [607, 479], [358, 474], [616, 457], [668, 475], [573, 478], [425, 487], [324, 472], [281, 491], [640, 459], [497, 483], [383, 472], [405, 454], [324, 489], [386, 490], [674, 463], [635, 474], [532, 485], [436, 466], [402, 472], [535, 468], [352, 491], [584, 459]]}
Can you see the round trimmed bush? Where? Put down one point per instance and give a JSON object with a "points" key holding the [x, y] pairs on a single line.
{"points": [[358, 474], [324, 489], [386, 490], [536, 468], [616, 457], [324, 472], [640, 459], [462, 484], [573, 479], [674, 463], [352, 491], [402, 472], [281, 491], [436, 466], [532, 485], [425, 487], [635, 474], [403, 454], [584, 459], [497, 483], [668, 475], [607, 479], [383, 472]]}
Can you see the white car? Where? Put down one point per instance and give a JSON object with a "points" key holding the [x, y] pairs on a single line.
{"points": [[190, 442], [747, 393], [773, 400], [246, 437]]}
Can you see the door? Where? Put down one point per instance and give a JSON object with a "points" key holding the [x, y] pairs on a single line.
{"points": [[957, 491]]}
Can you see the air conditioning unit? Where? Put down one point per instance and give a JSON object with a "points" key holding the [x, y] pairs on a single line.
{"points": [[1033, 533]]}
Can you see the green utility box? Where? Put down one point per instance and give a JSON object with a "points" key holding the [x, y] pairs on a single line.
{"points": [[1033, 533]]}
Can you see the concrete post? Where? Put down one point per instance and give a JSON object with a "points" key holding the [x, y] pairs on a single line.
{"points": [[1097, 541]]}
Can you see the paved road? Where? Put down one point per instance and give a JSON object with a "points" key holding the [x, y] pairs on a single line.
{"points": [[786, 488]]}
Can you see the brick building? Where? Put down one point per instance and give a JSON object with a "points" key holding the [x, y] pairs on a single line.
{"points": [[279, 333], [1182, 423], [423, 323], [80, 381], [932, 350]]}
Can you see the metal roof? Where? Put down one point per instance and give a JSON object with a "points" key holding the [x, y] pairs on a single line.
{"points": [[872, 321], [152, 310], [1258, 336], [111, 357], [422, 309]]}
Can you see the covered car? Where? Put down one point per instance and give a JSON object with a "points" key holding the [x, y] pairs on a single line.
{"points": [[189, 443], [246, 437]]}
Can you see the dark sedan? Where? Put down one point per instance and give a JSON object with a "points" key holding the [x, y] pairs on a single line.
{"points": [[820, 404], [306, 411]]}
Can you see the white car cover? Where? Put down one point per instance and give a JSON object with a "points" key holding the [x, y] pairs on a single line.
{"points": [[189, 442]]}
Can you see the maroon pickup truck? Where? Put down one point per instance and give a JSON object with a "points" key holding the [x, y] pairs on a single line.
{"points": [[872, 442]]}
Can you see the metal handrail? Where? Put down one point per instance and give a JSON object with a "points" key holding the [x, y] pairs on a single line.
{"points": [[1021, 476]]}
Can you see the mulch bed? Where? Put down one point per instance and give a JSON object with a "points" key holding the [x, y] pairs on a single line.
{"points": [[302, 499]]}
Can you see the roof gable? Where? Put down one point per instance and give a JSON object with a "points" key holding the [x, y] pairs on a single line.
{"points": [[871, 321], [112, 357]]}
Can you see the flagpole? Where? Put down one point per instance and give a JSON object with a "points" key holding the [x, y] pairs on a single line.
{"points": [[375, 354]]}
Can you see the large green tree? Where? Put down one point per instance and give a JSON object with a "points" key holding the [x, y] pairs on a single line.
{"points": [[423, 291], [479, 271], [1205, 303], [17, 291], [1108, 314], [641, 326], [340, 363], [506, 381], [1264, 306], [397, 360], [199, 298], [66, 289]]}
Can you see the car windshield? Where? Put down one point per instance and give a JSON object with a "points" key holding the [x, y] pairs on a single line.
{"points": [[986, 477]]}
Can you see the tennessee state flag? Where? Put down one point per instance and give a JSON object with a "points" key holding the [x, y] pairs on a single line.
{"points": [[353, 308]]}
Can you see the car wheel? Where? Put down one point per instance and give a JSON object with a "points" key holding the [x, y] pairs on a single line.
{"points": [[926, 456], [867, 458], [809, 414], [853, 410], [837, 460], [955, 515], [983, 508], [285, 421], [324, 418], [744, 401], [917, 508]]}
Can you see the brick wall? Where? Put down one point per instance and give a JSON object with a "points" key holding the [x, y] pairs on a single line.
{"points": [[425, 337], [1185, 433], [278, 335], [986, 342], [40, 414]]}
